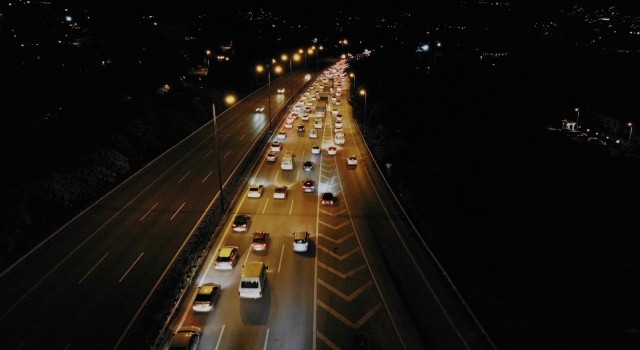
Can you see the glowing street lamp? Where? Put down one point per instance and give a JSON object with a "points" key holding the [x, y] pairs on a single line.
{"points": [[229, 100], [352, 75], [630, 125], [363, 92], [578, 117]]}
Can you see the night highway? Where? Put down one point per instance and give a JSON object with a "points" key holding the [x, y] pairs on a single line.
{"points": [[363, 280]]}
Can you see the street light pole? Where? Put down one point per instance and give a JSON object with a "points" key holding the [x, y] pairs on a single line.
{"points": [[215, 136], [578, 117], [354, 82], [363, 92], [630, 132]]}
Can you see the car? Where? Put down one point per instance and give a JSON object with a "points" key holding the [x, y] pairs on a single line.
{"points": [[305, 117], [271, 156], [334, 111], [328, 198], [227, 258], [318, 123], [307, 166], [352, 160], [186, 338], [288, 125], [300, 127], [276, 146], [260, 241], [338, 124], [255, 191], [301, 241], [313, 134], [338, 94], [310, 103], [281, 91], [315, 149], [307, 109], [308, 186], [290, 119], [337, 103], [280, 192], [332, 150], [282, 135], [241, 223], [260, 109], [339, 117], [206, 297]]}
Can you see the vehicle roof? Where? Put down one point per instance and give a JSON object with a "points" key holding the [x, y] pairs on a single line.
{"points": [[252, 269], [300, 234], [226, 251], [208, 288]]}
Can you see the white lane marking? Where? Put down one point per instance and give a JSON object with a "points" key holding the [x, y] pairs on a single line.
{"points": [[94, 266], [226, 154], [206, 177], [277, 173], [241, 137], [266, 340], [265, 206], [130, 267], [280, 262], [208, 153], [220, 337], [225, 137], [185, 175], [147, 213], [177, 211], [66, 347], [291, 208]]}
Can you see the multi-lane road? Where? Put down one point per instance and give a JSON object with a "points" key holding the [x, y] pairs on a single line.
{"points": [[365, 273]]}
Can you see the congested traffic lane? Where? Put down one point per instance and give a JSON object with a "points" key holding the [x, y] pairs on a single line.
{"points": [[287, 316]]}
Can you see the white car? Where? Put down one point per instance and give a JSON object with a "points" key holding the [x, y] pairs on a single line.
{"points": [[227, 258], [300, 241], [339, 117], [206, 297], [282, 135], [309, 103], [307, 109], [255, 191], [288, 125], [281, 91], [318, 124], [276, 146], [280, 192], [334, 111], [313, 134], [338, 124], [352, 160], [337, 102], [315, 149], [305, 117], [332, 150], [260, 109], [271, 156]]}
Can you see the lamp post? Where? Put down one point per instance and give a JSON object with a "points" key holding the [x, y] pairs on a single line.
{"points": [[630, 131], [277, 69], [578, 117], [320, 48], [363, 92], [229, 100], [354, 82]]}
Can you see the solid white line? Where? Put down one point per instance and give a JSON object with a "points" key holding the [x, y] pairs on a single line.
{"points": [[266, 340], [130, 267], [206, 177], [208, 153], [241, 137], [225, 136], [147, 213], [220, 337], [265, 206], [280, 262], [291, 207], [226, 154], [185, 175], [94, 266], [277, 173], [66, 347], [177, 211]]}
